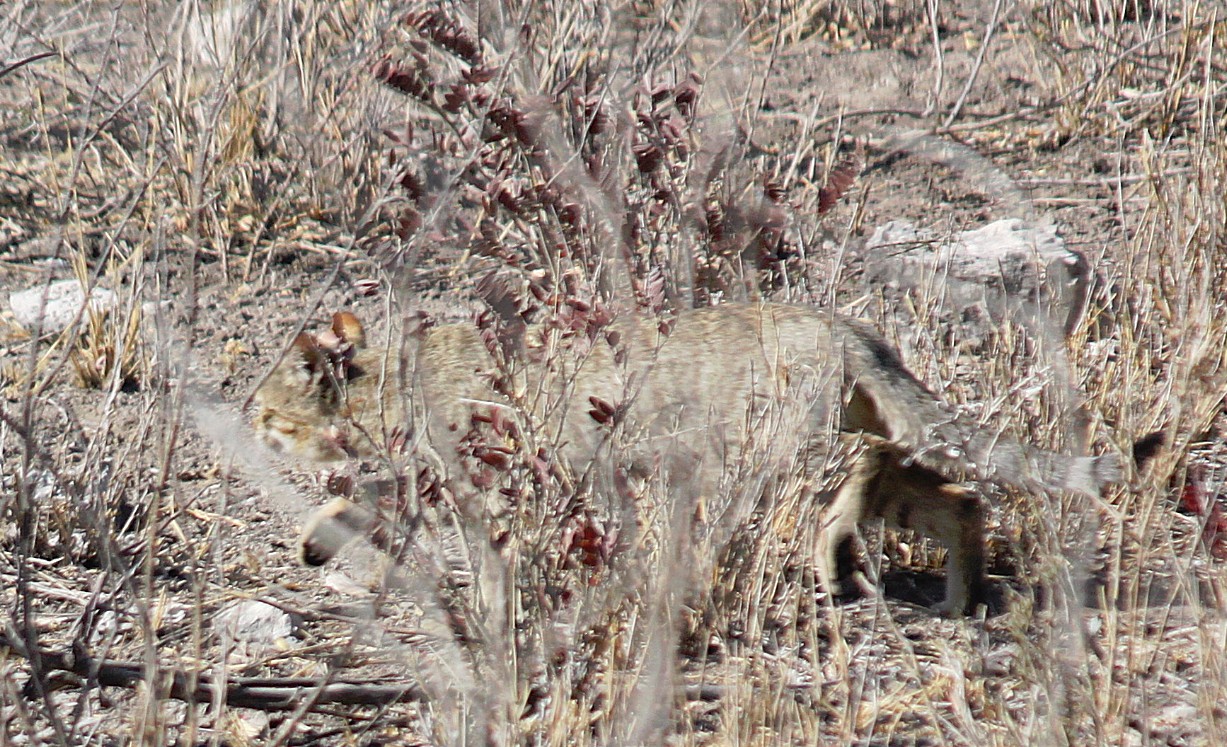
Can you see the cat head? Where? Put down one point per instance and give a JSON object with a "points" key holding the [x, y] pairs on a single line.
{"points": [[312, 403]]}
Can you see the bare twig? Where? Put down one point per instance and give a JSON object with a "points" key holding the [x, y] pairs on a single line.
{"points": [[975, 69], [22, 63], [261, 693]]}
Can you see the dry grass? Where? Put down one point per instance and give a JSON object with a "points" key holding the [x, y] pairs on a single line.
{"points": [[232, 170]]}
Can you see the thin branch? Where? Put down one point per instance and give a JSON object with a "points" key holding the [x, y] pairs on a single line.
{"points": [[975, 70], [22, 63], [261, 693]]}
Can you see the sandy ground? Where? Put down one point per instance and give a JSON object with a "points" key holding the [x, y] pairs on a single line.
{"points": [[135, 511]]}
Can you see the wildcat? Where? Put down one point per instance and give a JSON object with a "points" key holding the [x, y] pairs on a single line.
{"points": [[769, 384]]}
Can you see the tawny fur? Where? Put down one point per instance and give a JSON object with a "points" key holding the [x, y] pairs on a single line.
{"points": [[694, 397]]}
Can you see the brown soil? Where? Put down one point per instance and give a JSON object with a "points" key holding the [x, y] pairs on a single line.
{"points": [[227, 219]]}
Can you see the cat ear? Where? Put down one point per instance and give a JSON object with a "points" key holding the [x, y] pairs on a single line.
{"points": [[310, 356], [348, 329]]}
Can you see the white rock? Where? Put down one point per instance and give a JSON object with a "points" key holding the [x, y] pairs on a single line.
{"points": [[1005, 268], [344, 585], [56, 304], [252, 621]]}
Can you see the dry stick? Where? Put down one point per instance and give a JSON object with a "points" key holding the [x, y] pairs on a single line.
{"points": [[939, 61], [22, 63], [275, 694], [261, 693], [975, 69]]}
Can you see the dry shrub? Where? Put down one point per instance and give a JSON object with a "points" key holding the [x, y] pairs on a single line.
{"points": [[594, 159], [108, 351], [594, 174]]}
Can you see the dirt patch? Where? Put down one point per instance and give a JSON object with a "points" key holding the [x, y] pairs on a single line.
{"points": [[324, 156]]}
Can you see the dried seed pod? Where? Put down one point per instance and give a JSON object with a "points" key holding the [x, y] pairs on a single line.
{"points": [[839, 181], [687, 94], [412, 79], [446, 33], [648, 157], [338, 483], [602, 412]]}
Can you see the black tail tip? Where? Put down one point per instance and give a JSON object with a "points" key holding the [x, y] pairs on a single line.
{"points": [[1146, 447]]}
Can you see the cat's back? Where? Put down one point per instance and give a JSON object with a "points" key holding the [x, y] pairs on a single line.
{"points": [[740, 350], [720, 367]]}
